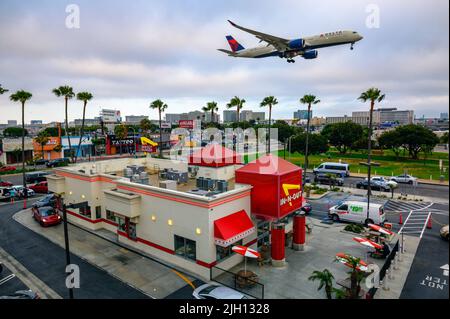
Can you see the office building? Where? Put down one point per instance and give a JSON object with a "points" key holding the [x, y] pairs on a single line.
{"points": [[302, 114]]}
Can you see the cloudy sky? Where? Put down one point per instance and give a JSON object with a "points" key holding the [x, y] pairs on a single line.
{"points": [[128, 53]]}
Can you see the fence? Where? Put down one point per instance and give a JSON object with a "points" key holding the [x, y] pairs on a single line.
{"points": [[385, 267], [247, 286]]}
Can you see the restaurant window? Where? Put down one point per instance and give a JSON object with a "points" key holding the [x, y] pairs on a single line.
{"points": [[98, 212], [225, 252], [110, 216], [122, 224], [85, 211], [185, 248]]}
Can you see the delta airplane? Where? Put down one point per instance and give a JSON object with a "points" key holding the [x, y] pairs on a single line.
{"points": [[288, 49]]}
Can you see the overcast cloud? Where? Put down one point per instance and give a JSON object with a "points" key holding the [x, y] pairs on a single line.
{"points": [[128, 53]]}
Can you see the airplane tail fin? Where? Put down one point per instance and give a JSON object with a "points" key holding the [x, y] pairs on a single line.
{"points": [[235, 46]]}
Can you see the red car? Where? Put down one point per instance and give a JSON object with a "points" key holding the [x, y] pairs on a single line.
{"points": [[7, 168], [41, 187], [46, 216], [5, 184]]}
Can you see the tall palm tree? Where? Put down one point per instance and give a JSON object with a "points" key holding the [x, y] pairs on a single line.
{"points": [[22, 97], [161, 107], [269, 101], [373, 95], [2, 90], [211, 107], [310, 100], [42, 139], [67, 93], [237, 103], [85, 97], [325, 278]]}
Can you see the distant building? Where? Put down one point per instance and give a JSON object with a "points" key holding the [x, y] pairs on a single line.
{"points": [[135, 119], [318, 121], [434, 124], [338, 119], [174, 118], [12, 123], [385, 115], [35, 122], [229, 116], [302, 114], [248, 115], [443, 116], [87, 122]]}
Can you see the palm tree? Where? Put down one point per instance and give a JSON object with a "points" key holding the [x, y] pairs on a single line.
{"points": [[211, 107], [2, 90], [356, 276], [325, 278], [373, 95], [308, 99], [161, 107], [67, 93], [22, 97], [237, 103], [42, 139], [121, 132], [85, 97], [269, 101]]}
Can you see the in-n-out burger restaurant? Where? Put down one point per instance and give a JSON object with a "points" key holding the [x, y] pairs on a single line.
{"points": [[191, 223]]}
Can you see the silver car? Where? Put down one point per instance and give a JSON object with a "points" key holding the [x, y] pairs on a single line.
{"points": [[208, 291], [404, 179]]}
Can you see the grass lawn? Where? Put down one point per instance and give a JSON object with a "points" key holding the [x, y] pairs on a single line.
{"points": [[389, 164]]}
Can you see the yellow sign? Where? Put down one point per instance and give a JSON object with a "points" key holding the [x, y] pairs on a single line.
{"points": [[287, 188]]}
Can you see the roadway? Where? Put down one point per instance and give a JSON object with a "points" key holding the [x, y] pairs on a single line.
{"points": [[46, 261]]}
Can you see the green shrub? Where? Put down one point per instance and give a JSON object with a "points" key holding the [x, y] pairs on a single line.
{"points": [[354, 228]]}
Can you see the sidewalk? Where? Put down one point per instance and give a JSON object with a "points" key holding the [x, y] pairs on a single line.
{"points": [[148, 276]]}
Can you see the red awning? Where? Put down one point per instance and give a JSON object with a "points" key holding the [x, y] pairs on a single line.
{"points": [[232, 228]]}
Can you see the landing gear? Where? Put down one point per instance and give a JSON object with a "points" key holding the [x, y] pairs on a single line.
{"points": [[351, 46], [290, 60]]}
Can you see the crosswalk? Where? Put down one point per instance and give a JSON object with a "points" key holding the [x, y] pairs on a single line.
{"points": [[401, 206], [415, 223]]}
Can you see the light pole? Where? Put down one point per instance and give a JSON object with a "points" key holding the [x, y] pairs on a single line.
{"points": [[66, 236], [135, 143]]}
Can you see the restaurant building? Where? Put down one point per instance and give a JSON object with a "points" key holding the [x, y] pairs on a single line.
{"points": [[188, 214]]}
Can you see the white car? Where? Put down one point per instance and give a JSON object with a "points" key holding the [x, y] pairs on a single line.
{"points": [[404, 179], [208, 291], [382, 180], [20, 188]]}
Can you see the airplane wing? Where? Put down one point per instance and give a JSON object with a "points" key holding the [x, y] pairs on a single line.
{"points": [[279, 43]]}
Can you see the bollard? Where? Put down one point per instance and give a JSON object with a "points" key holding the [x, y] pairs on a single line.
{"points": [[395, 262], [399, 257], [429, 225], [384, 282], [400, 219], [390, 273]]}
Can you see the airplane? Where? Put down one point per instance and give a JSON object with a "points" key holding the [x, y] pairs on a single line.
{"points": [[289, 48]]}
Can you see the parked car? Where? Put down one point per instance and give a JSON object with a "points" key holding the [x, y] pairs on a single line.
{"points": [[41, 187], [5, 184], [7, 168], [41, 161], [342, 169], [49, 200], [328, 179], [376, 186], [36, 177], [46, 216], [19, 192], [382, 180], [307, 208], [208, 291], [444, 232], [22, 294], [404, 178], [356, 212], [58, 162]]}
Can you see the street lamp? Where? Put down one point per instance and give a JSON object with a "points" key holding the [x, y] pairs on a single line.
{"points": [[135, 143]]}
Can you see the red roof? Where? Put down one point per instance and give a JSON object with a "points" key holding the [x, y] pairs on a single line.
{"points": [[232, 228], [269, 165], [214, 155]]}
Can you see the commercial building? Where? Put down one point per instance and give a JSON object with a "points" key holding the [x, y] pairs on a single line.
{"points": [[186, 213], [49, 151], [11, 150], [302, 114], [87, 148], [443, 116], [135, 119], [244, 115], [174, 118], [385, 115], [87, 122], [229, 116]]}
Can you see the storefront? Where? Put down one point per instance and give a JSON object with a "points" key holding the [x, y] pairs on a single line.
{"points": [[52, 149], [11, 150]]}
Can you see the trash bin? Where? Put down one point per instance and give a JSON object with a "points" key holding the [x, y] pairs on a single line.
{"points": [[441, 178]]}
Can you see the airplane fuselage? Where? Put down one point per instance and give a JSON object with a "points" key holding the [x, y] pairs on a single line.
{"points": [[311, 43]]}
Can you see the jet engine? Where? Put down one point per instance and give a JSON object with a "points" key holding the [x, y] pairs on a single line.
{"points": [[311, 54], [297, 44]]}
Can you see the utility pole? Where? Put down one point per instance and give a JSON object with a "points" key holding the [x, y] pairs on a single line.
{"points": [[66, 239]]}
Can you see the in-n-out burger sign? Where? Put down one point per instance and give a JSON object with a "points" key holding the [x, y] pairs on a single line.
{"points": [[290, 197]]}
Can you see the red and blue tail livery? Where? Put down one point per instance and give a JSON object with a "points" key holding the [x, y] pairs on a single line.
{"points": [[235, 46]]}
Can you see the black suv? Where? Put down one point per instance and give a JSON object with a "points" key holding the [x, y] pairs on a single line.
{"points": [[58, 162], [36, 177], [376, 186]]}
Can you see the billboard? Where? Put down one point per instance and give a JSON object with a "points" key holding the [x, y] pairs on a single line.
{"points": [[110, 116], [187, 124]]}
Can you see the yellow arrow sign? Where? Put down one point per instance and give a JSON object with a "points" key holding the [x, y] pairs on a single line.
{"points": [[287, 188]]}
